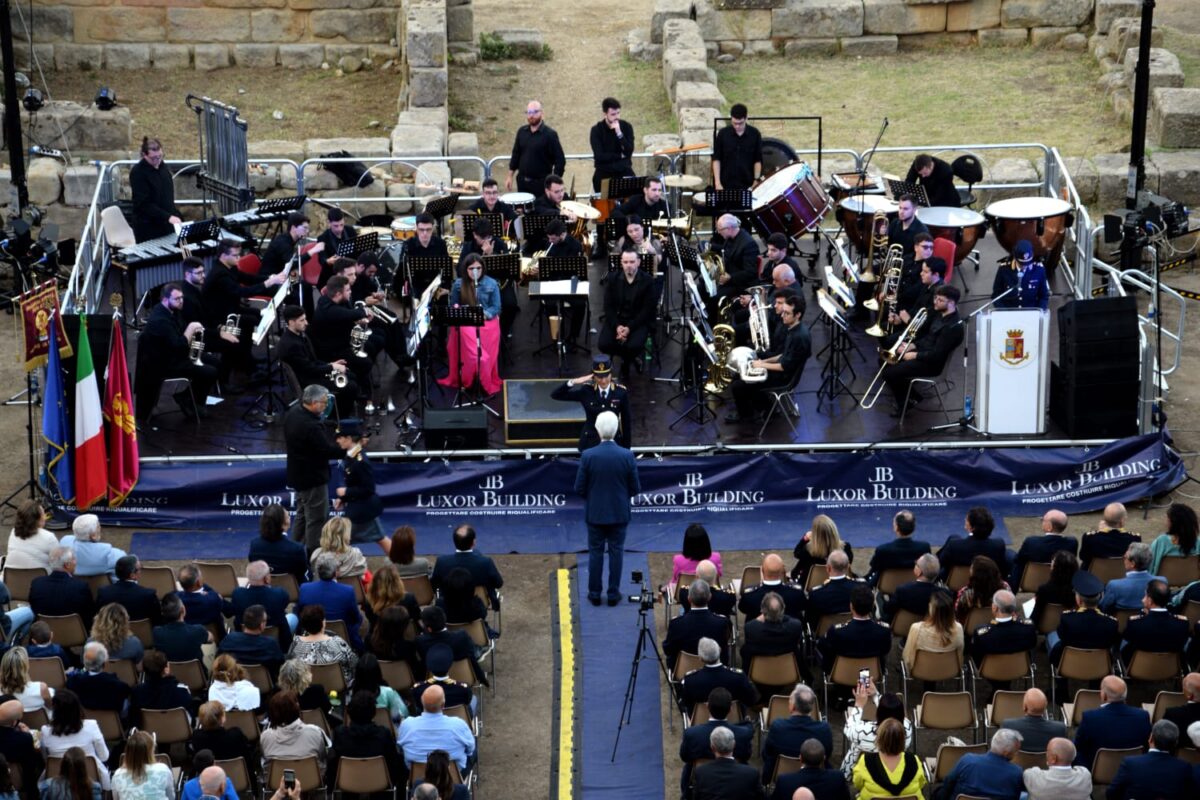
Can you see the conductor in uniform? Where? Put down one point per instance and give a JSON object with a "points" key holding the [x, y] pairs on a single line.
{"points": [[597, 393]]}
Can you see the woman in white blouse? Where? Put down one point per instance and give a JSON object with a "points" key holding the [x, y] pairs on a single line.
{"points": [[860, 732], [29, 544], [14, 680], [69, 729], [231, 687], [141, 777]]}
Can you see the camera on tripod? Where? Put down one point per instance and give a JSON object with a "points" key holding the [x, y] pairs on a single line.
{"points": [[645, 599]]}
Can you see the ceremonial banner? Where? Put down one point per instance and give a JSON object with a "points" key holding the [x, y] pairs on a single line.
{"points": [[39, 311], [55, 432], [122, 429]]}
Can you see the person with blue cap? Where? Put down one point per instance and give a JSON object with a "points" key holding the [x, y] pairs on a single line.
{"points": [[1024, 279], [1085, 627], [597, 392]]}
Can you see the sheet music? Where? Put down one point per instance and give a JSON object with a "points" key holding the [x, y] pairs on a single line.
{"points": [[422, 317], [690, 283], [830, 308], [839, 246], [709, 284], [699, 339], [560, 288], [840, 290]]}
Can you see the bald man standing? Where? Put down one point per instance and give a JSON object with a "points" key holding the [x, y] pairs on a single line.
{"points": [[1036, 731], [1114, 725], [1041, 549], [536, 153]]}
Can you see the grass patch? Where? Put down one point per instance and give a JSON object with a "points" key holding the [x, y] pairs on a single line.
{"points": [[1187, 47], [943, 95], [494, 48], [644, 102]]}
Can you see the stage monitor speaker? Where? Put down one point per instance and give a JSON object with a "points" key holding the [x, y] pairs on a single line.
{"points": [[463, 428], [1098, 319], [1093, 410]]}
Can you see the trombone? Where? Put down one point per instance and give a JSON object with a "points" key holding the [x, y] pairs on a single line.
{"points": [[892, 356], [384, 315]]}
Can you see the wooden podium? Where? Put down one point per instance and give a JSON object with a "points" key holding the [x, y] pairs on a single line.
{"points": [[1012, 373]]}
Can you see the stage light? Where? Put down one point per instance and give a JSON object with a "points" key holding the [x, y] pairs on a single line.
{"points": [[32, 100], [106, 99]]}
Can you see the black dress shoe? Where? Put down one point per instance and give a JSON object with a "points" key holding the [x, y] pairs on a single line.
{"points": [[594, 601], [612, 601]]}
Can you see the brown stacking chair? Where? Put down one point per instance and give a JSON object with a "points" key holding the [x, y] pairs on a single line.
{"points": [[398, 675], [1027, 760], [421, 588], [751, 576], [337, 627], [190, 674], [19, 579], [221, 576], [355, 582], [1051, 615], [97, 582], [827, 621], [245, 721], [946, 711], [143, 629], [903, 620], [1147, 666], [287, 582], [260, 676], [315, 716], [685, 663], [237, 772], [49, 671], [780, 670], [1007, 667], [1033, 576], [308, 772], [1163, 701], [930, 666], [68, 630], [1085, 700], [892, 579], [845, 673], [169, 726], [939, 766], [124, 669], [109, 723], [785, 765], [1107, 569], [160, 579], [1081, 665], [1192, 612], [1005, 705], [1106, 762], [958, 577], [363, 776], [329, 676], [1179, 571], [817, 575]]}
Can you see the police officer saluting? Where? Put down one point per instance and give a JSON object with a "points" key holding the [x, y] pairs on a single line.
{"points": [[597, 393], [357, 498]]}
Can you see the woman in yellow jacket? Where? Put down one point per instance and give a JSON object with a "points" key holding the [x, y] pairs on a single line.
{"points": [[888, 772]]}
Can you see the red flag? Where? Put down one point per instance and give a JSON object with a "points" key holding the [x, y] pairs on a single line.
{"points": [[122, 429]]}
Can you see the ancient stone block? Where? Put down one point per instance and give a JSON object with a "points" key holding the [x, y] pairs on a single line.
{"points": [[1124, 34], [171, 56], [760, 47], [399, 190], [256, 55], [697, 117], [523, 41], [739, 25], [1045, 13], [1178, 175], [416, 141], [897, 16], [665, 10], [48, 24], [365, 148], [373, 25], [425, 41], [436, 116], [263, 178], [807, 48], [1003, 37], [79, 184], [691, 94], [675, 71], [1048, 37], [973, 15], [464, 144], [435, 174], [309, 5], [301, 56], [817, 19], [1084, 176], [275, 148], [117, 24], [1109, 10], [460, 24], [43, 179], [682, 34], [333, 52], [428, 87], [870, 45], [78, 56], [1076, 42], [127, 56], [315, 179], [1113, 173], [211, 56], [653, 142], [43, 52], [1165, 69], [925, 41], [208, 25], [1012, 170], [276, 25], [1175, 117]]}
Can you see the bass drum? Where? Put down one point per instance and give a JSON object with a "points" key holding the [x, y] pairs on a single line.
{"points": [[777, 154], [792, 201]]}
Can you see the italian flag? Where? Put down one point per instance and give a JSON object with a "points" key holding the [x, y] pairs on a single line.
{"points": [[91, 464]]}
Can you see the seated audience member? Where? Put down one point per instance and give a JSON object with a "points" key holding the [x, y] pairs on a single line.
{"points": [[773, 632], [177, 639], [368, 678], [29, 543], [901, 552], [313, 645], [71, 783], [1059, 780], [914, 595], [816, 545], [208, 781], [289, 737], [960, 552], [1083, 626], [204, 604], [862, 636], [295, 676], [1058, 589], [141, 777], [68, 729], [981, 586], [991, 774], [1035, 729], [458, 599], [696, 548], [258, 591], [15, 682], [889, 771], [1111, 540], [60, 593], [360, 737], [96, 689], [1127, 593], [388, 639], [387, 590], [694, 743], [1042, 549], [456, 693], [861, 732], [434, 631], [699, 683], [938, 632], [1158, 773], [42, 645], [140, 601], [439, 778], [224, 741], [335, 540], [724, 776], [404, 556], [1114, 725], [719, 601], [251, 645], [833, 596], [231, 687], [336, 600], [111, 628], [18, 748], [1006, 633], [773, 574], [822, 781], [482, 568], [274, 547], [1155, 630], [1189, 712], [432, 730], [685, 632], [1181, 539], [159, 690], [93, 557], [787, 735]]}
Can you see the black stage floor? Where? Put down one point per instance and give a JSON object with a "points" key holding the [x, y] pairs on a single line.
{"points": [[653, 393]]}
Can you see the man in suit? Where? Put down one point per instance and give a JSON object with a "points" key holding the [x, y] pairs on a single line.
{"points": [[914, 595], [250, 645], [97, 689], [180, 640], [1111, 540], [685, 631], [1040, 549], [694, 743], [60, 593], [724, 778], [833, 596], [1059, 780], [16, 745], [773, 573], [204, 605], [434, 631], [482, 568], [1114, 724], [1155, 630], [1006, 633], [337, 598], [1036, 731], [960, 552], [862, 637], [1158, 774], [258, 591], [719, 601], [608, 480], [699, 683], [991, 774], [773, 632], [786, 736], [825, 783], [900, 553], [739, 253], [1189, 712], [140, 602], [1127, 593]]}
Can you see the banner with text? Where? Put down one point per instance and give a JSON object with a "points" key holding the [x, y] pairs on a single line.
{"points": [[534, 500]]}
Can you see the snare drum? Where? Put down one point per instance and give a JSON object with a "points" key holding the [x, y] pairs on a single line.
{"points": [[404, 227], [791, 201], [521, 202], [857, 213], [962, 226], [1042, 221]]}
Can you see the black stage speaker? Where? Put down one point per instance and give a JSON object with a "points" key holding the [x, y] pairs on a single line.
{"points": [[1094, 387], [463, 428]]}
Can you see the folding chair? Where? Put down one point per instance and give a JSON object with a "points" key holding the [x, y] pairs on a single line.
{"points": [[221, 576], [958, 577], [337, 627], [237, 772], [783, 402], [785, 765], [124, 669], [383, 718], [416, 773], [827, 621], [1005, 705], [940, 765], [1051, 614], [902, 621], [778, 707], [1033, 576], [260, 676], [778, 670], [363, 776], [751, 576], [308, 774], [329, 676], [1123, 616], [485, 646], [398, 675], [462, 671], [19, 579], [1147, 666], [315, 716], [287, 582], [892, 579], [143, 629], [685, 663], [1192, 612], [117, 231], [976, 618], [160, 579], [355, 582], [845, 673], [1179, 571], [934, 388], [109, 723], [190, 674], [946, 711], [35, 719], [495, 607], [1027, 760], [245, 721], [1080, 665], [1107, 569], [997, 667], [421, 588], [1162, 701], [1106, 762], [817, 575], [1085, 700], [68, 630], [54, 768], [96, 583], [169, 726], [930, 666], [49, 671]]}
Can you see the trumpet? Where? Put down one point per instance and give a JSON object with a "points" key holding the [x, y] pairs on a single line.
{"points": [[892, 356], [339, 378], [196, 348], [378, 312], [359, 335], [232, 329]]}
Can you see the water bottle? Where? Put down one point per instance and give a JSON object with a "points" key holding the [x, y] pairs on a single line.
{"points": [[649, 349], [334, 700], [967, 407]]}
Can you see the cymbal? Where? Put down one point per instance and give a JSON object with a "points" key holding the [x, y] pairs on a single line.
{"points": [[581, 210], [683, 181], [687, 148]]}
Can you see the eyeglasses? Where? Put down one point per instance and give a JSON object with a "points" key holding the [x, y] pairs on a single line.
{"points": [[529, 112]]}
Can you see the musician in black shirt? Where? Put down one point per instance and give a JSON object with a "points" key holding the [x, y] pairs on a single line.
{"points": [[740, 255], [938, 179], [224, 291], [163, 349], [927, 356], [548, 203], [282, 249], [490, 202], [536, 153], [337, 233], [426, 244], [737, 153], [612, 145], [649, 205], [628, 312], [752, 399], [153, 189], [559, 244], [911, 282], [905, 227], [295, 350], [332, 323]]}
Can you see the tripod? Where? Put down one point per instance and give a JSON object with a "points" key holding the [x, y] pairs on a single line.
{"points": [[645, 635]]}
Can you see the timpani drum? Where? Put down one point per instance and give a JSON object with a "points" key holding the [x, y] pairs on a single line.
{"points": [[962, 226], [791, 201], [857, 213], [522, 202], [1043, 221]]}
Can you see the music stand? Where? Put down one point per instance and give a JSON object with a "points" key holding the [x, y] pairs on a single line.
{"points": [[422, 270], [614, 261], [468, 220], [620, 188], [897, 189], [832, 382], [728, 201], [465, 317], [204, 230], [358, 245], [692, 356], [279, 208], [556, 270], [439, 207], [417, 344], [533, 226]]}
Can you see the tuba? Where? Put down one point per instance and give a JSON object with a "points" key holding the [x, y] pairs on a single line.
{"points": [[196, 348], [719, 374], [760, 332], [740, 360], [892, 356]]}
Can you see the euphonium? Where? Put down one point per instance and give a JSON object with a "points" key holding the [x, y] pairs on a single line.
{"points": [[719, 374], [196, 348], [760, 331], [740, 361], [892, 356], [713, 264], [358, 337], [339, 378]]}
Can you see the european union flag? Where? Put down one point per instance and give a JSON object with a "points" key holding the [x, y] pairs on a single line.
{"points": [[54, 427]]}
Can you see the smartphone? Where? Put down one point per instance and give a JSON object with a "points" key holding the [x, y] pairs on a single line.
{"points": [[864, 678], [289, 779]]}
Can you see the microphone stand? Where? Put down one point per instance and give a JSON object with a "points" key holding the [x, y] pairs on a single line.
{"points": [[862, 173], [966, 421]]}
